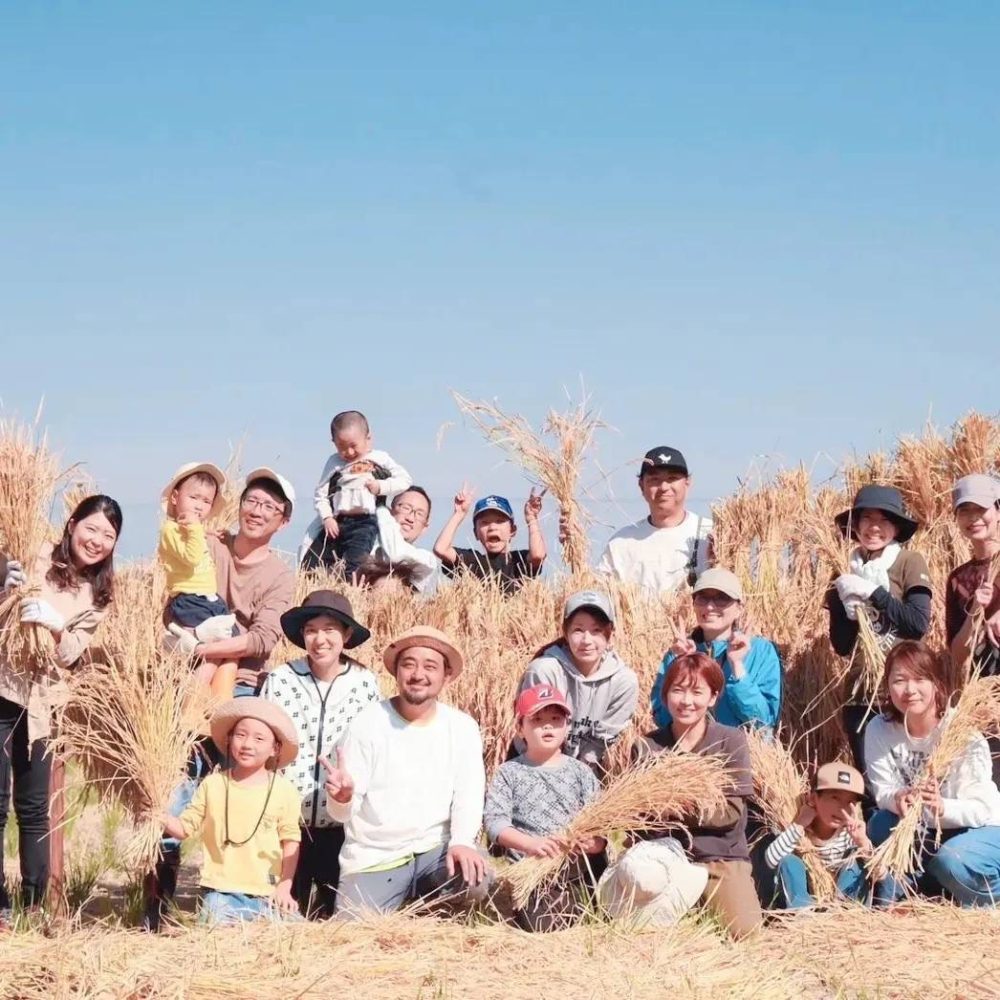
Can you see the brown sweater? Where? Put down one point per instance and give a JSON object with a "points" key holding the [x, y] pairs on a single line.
{"points": [[258, 594], [40, 690]]}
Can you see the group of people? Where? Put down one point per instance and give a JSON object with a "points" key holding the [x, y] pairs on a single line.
{"points": [[316, 797]]}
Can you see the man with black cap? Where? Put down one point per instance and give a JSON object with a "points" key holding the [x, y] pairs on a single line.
{"points": [[322, 693], [671, 545]]}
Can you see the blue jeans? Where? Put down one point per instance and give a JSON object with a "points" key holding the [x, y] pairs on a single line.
{"points": [[966, 865], [794, 881], [233, 907]]}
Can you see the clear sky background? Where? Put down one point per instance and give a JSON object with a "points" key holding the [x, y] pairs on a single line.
{"points": [[752, 229]]}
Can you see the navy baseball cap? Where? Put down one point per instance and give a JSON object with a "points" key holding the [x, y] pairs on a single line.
{"points": [[493, 502], [663, 457]]}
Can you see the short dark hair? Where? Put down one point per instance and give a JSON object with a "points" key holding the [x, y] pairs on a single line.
{"points": [[204, 478], [414, 489], [917, 658], [272, 489], [694, 666], [349, 418]]}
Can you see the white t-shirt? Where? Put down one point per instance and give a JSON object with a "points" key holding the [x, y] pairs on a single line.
{"points": [[416, 787], [657, 558]]}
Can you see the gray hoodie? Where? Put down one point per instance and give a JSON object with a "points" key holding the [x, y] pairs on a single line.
{"points": [[602, 704]]}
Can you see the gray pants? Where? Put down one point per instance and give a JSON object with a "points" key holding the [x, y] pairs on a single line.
{"points": [[425, 878]]}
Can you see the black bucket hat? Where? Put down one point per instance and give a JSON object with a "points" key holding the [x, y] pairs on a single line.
{"points": [[318, 603], [885, 499]]}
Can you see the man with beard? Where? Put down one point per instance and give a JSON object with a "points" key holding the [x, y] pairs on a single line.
{"points": [[408, 785]]}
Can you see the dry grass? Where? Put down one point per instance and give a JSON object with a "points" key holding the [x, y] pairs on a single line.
{"points": [[653, 795], [29, 479], [556, 466]]}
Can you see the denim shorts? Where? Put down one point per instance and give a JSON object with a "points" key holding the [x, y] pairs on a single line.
{"points": [[190, 610]]}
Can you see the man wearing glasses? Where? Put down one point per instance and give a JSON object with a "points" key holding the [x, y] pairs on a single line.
{"points": [[396, 553], [254, 582]]}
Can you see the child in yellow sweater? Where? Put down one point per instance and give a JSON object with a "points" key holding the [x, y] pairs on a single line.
{"points": [[247, 815], [193, 495]]}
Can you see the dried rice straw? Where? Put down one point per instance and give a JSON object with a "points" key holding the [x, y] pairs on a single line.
{"points": [[654, 795]]}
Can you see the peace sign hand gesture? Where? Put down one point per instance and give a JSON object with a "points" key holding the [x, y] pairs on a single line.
{"points": [[339, 784]]}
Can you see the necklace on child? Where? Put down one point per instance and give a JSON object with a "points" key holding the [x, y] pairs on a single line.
{"points": [[226, 842]]}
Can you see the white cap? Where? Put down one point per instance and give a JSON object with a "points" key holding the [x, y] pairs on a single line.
{"points": [[283, 484], [983, 491], [589, 599]]}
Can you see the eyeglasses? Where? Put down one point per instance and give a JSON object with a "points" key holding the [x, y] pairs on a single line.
{"points": [[268, 507], [719, 600], [408, 510]]}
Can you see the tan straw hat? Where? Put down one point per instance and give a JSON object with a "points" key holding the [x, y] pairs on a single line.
{"points": [[189, 470], [225, 717], [432, 638]]}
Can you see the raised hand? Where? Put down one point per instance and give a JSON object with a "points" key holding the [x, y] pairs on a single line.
{"points": [[684, 646], [463, 500], [339, 784], [533, 505]]}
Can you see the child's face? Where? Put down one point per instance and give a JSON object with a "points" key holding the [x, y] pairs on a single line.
{"points": [[690, 700], [545, 731], [834, 807], [977, 523], [252, 743], [910, 693], [324, 639], [588, 638], [494, 531], [352, 443], [192, 501], [875, 531]]}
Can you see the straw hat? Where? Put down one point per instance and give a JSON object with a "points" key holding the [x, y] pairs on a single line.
{"points": [[225, 717], [432, 638], [323, 603], [653, 883], [189, 470]]}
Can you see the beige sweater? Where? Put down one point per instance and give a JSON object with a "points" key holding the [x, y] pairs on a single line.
{"points": [[39, 691]]}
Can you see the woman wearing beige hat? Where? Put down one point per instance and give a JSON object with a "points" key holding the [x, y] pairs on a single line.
{"points": [[408, 785]]}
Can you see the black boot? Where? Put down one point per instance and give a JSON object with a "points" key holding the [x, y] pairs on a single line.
{"points": [[159, 887]]}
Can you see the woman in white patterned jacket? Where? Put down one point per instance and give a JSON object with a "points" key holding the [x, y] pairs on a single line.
{"points": [[322, 693]]}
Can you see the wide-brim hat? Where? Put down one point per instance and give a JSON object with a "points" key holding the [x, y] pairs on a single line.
{"points": [[189, 470], [883, 498], [225, 717], [432, 638], [317, 604]]}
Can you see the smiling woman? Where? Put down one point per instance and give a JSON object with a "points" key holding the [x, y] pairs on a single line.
{"points": [[75, 587]]}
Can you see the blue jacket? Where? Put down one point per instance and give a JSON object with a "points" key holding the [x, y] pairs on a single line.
{"points": [[754, 700]]}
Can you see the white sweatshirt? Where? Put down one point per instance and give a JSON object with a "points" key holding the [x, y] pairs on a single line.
{"points": [[416, 787], [896, 761]]}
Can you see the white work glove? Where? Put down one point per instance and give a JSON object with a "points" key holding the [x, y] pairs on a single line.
{"points": [[178, 640], [214, 629], [38, 612], [15, 576], [851, 585]]}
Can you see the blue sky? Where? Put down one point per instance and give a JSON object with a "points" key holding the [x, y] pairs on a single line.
{"points": [[751, 229]]}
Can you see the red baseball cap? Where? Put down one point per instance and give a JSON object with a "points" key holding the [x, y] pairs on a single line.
{"points": [[531, 701]]}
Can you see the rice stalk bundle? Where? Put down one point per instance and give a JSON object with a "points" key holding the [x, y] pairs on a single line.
{"points": [[780, 787], [229, 513], [132, 729], [29, 480], [557, 467], [976, 712], [870, 656], [653, 795]]}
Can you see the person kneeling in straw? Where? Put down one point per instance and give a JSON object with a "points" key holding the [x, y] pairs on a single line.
{"points": [[248, 816]]}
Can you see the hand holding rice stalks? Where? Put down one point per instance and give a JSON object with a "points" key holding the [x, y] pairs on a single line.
{"points": [[557, 468], [654, 795], [977, 712], [29, 479]]}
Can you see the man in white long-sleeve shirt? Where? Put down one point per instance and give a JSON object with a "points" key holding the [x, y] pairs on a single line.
{"points": [[396, 554], [408, 785]]}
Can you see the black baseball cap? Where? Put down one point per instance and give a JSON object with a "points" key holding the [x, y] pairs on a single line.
{"points": [[663, 457]]}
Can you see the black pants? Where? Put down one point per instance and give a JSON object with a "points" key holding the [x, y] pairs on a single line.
{"points": [[318, 872], [352, 546], [30, 780]]}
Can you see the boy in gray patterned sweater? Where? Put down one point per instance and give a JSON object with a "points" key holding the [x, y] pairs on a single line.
{"points": [[531, 800]]}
